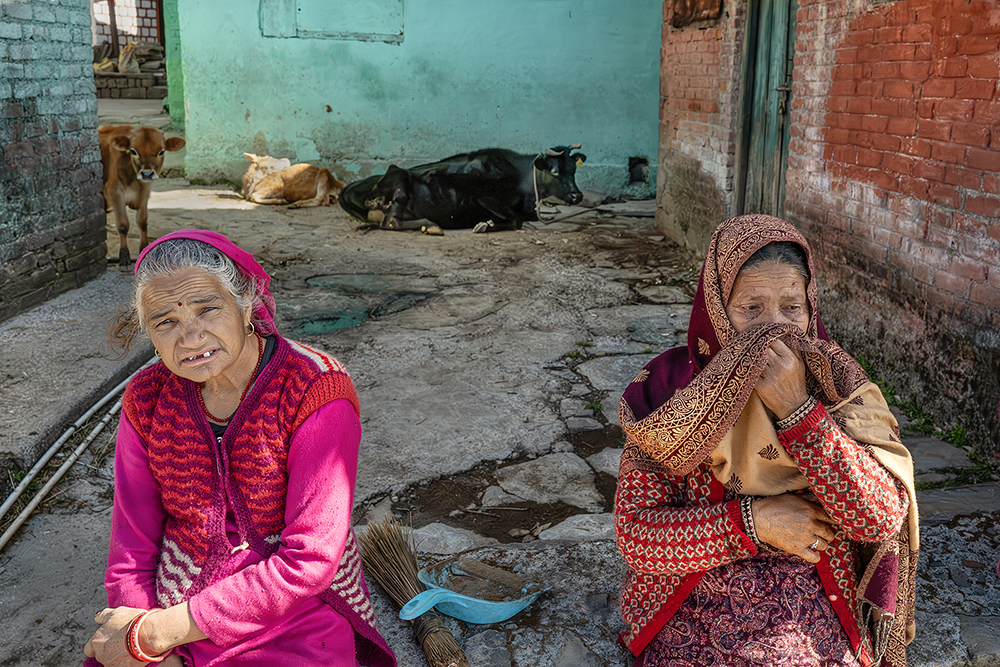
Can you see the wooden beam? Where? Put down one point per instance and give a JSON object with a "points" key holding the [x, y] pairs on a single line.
{"points": [[161, 35], [114, 29]]}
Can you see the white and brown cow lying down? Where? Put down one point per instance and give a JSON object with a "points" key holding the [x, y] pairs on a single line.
{"points": [[271, 180], [131, 158]]}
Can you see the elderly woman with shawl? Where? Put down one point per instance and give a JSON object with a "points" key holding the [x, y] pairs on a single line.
{"points": [[235, 465], [765, 505]]}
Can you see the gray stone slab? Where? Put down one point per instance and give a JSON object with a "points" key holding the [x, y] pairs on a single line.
{"points": [[582, 528], [931, 453], [379, 510], [561, 477], [608, 345], [578, 424], [51, 560], [614, 373], [576, 654], [643, 208], [664, 294], [607, 461], [494, 496], [57, 363], [487, 648], [661, 330], [938, 642], [584, 580], [981, 635], [956, 578], [442, 539], [609, 407], [573, 407], [938, 505], [613, 320]]}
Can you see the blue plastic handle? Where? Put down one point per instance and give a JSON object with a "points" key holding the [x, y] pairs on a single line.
{"points": [[422, 603]]}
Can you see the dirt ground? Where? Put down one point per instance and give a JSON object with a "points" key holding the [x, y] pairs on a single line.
{"points": [[461, 346]]}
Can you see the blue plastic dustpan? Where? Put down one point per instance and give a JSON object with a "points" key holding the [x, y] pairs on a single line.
{"points": [[488, 594]]}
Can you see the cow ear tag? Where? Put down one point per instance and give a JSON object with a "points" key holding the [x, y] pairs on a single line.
{"points": [[579, 162]]}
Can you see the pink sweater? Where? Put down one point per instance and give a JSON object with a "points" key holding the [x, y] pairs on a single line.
{"points": [[264, 611]]}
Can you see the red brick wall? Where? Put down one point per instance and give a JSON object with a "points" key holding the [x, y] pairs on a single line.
{"points": [[699, 104], [893, 174], [912, 119]]}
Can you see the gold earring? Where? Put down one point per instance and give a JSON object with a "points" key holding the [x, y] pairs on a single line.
{"points": [[157, 353], [252, 330]]}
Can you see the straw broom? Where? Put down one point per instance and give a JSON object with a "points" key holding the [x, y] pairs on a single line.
{"points": [[389, 558]]}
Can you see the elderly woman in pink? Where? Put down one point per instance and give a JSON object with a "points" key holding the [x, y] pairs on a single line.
{"points": [[235, 465]]}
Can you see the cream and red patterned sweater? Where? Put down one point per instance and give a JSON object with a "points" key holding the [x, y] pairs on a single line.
{"points": [[671, 529]]}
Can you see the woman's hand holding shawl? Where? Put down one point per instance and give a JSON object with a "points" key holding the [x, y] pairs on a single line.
{"points": [[782, 384]]}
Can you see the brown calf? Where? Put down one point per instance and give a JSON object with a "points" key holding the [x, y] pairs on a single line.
{"points": [[132, 158], [269, 181]]}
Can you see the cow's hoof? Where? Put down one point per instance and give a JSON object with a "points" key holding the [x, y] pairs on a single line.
{"points": [[432, 230], [483, 227], [124, 261]]}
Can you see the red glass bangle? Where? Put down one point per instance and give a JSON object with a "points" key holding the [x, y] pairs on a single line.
{"points": [[132, 640]]}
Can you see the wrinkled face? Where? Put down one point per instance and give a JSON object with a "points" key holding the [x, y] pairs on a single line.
{"points": [[196, 325], [769, 293]]}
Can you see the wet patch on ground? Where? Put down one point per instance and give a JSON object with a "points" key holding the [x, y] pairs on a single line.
{"points": [[457, 500], [436, 502], [342, 301]]}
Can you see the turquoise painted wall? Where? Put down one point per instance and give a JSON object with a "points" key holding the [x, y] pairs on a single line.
{"points": [[468, 74], [174, 65]]}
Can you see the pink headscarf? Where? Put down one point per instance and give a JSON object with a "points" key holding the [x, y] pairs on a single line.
{"points": [[263, 314]]}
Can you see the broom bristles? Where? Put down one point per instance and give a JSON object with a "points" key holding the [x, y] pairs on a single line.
{"points": [[389, 558]]}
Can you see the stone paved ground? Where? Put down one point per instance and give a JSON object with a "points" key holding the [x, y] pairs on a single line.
{"points": [[489, 369]]}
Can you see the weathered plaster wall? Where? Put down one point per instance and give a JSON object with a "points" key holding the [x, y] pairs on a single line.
{"points": [[51, 209], [893, 175], [519, 74], [172, 61]]}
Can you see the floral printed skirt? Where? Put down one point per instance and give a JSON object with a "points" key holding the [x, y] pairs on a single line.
{"points": [[767, 610]]}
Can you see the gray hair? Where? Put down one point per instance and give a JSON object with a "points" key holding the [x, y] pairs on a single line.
{"points": [[175, 255], [780, 252]]}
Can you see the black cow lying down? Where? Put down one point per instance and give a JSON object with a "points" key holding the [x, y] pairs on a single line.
{"points": [[488, 190]]}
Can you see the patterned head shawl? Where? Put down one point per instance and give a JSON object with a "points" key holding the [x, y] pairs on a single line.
{"points": [[263, 314], [696, 405]]}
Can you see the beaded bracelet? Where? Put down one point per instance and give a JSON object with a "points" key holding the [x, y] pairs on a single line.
{"points": [[797, 416], [746, 511], [132, 640]]}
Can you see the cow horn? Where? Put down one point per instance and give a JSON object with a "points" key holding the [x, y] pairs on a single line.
{"points": [[574, 146], [553, 153]]}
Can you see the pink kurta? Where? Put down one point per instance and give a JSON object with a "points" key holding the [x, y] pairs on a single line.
{"points": [[262, 611]]}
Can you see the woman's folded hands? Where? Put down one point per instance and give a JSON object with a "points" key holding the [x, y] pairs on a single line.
{"points": [[793, 524]]}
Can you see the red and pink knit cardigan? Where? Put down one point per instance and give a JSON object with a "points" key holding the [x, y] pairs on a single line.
{"points": [[672, 528], [197, 472]]}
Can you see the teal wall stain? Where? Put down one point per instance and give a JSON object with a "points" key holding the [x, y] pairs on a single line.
{"points": [[518, 74], [173, 63]]}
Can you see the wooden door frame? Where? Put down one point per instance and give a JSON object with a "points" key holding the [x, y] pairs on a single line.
{"points": [[744, 118], [744, 124]]}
